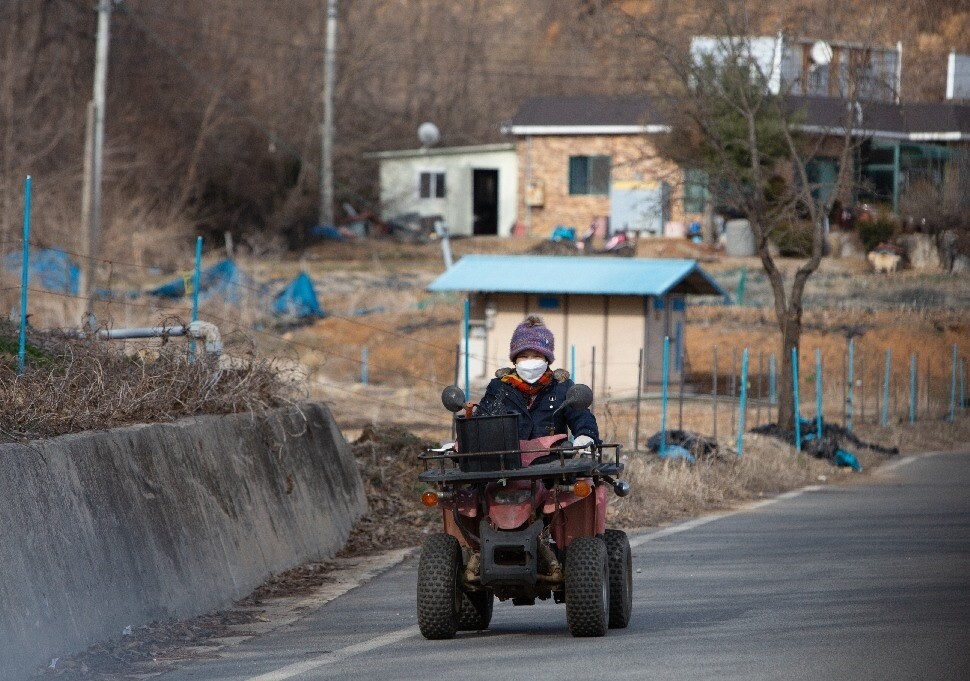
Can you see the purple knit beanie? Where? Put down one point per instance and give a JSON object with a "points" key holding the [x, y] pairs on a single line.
{"points": [[532, 334]]}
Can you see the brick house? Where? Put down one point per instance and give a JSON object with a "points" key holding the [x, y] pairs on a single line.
{"points": [[576, 153]]}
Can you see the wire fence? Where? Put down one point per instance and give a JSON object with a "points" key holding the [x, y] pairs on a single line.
{"points": [[861, 384]]}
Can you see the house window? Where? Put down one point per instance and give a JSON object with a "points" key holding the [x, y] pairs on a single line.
{"points": [[589, 175], [431, 184], [695, 191]]}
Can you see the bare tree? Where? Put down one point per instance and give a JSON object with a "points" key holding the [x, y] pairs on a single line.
{"points": [[731, 119], [39, 54]]}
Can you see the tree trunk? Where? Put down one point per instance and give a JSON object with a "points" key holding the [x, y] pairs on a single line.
{"points": [[791, 332]]}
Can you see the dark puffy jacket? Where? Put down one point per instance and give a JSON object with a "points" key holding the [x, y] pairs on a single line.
{"points": [[502, 398]]}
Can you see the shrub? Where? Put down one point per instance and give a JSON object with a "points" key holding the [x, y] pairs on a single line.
{"points": [[794, 241], [875, 231]]}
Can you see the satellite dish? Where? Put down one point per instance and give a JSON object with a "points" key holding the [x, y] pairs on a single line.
{"points": [[429, 134], [821, 52]]}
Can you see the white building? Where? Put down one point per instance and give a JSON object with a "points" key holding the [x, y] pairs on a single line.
{"points": [[473, 188]]}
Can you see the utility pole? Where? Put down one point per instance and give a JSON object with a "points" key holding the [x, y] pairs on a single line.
{"points": [[326, 127], [95, 162]]}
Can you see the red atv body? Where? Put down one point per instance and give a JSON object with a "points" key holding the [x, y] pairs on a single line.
{"points": [[522, 521]]}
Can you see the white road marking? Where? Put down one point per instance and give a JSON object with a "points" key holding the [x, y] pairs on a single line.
{"points": [[298, 668], [697, 522], [905, 461]]}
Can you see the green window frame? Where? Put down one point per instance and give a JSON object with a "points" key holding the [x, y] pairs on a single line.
{"points": [[696, 192]]}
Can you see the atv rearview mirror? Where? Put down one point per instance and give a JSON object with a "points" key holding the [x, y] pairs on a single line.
{"points": [[453, 398], [579, 397]]}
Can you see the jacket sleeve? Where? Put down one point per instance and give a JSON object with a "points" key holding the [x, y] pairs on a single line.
{"points": [[493, 402], [581, 422]]}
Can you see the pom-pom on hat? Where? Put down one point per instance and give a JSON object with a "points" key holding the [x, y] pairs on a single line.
{"points": [[532, 334]]}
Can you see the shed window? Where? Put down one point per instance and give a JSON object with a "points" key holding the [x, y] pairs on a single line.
{"points": [[432, 184], [589, 175]]}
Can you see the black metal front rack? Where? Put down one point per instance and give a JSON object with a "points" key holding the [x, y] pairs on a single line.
{"points": [[580, 466]]}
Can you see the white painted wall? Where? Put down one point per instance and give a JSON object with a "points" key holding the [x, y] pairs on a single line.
{"points": [[400, 172]]}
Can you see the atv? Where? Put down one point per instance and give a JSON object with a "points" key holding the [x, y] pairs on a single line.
{"points": [[522, 520]]}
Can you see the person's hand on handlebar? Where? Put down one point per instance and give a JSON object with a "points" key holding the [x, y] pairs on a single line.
{"points": [[584, 444]]}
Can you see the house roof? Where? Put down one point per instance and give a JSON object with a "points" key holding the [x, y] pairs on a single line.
{"points": [[599, 115], [576, 275], [426, 152], [587, 115]]}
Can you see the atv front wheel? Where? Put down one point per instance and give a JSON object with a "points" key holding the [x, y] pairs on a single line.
{"points": [[439, 594], [476, 610], [621, 578], [587, 587]]}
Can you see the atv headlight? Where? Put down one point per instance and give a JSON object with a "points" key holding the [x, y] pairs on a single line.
{"points": [[512, 496]]}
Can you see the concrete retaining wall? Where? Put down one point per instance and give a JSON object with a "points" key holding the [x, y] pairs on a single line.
{"points": [[99, 531]]}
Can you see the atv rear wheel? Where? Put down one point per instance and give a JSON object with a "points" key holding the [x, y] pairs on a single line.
{"points": [[439, 592], [476, 610], [587, 587], [621, 578]]}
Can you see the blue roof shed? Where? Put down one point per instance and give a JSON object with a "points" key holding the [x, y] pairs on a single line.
{"points": [[576, 275], [603, 312]]}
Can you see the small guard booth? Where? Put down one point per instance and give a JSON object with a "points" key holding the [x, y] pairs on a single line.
{"points": [[602, 310]]}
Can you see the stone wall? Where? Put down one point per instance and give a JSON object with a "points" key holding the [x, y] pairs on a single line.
{"points": [[108, 529]]}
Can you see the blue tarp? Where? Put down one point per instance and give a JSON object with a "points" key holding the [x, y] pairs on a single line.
{"points": [[50, 267], [298, 299], [223, 280]]}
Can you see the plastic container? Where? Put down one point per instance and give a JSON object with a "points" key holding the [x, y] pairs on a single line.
{"points": [[488, 434]]}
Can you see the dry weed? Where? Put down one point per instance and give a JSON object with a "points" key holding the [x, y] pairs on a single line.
{"points": [[72, 385]]}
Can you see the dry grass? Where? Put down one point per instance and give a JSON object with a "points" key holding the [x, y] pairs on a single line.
{"points": [[72, 385]]}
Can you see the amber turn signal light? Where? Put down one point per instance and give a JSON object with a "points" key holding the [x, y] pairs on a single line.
{"points": [[429, 498], [582, 489]]}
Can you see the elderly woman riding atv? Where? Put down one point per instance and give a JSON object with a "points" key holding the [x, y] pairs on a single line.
{"points": [[524, 510]]}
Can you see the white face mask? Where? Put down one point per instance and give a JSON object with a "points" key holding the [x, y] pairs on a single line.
{"points": [[531, 370]]}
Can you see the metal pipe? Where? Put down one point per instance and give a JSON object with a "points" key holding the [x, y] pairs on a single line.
{"points": [[819, 393], [744, 398], [204, 331], [24, 280], [798, 416], [885, 388], [953, 385], [851, 380], [663, 392], [912, 388]]}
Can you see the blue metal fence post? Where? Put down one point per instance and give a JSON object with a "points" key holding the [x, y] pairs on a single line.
{"points": [[196, 284], [885, 388], [953, 385], [798, 415], [744, 398], [663, 398], [963, 383], [24, 280], [912, 388], [572, 361], [363, 365], [772, 380], [851, 379], [819, 393], [468, 314]]}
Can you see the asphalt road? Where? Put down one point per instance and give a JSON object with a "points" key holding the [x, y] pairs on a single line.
{"points": [[868, 581]]}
